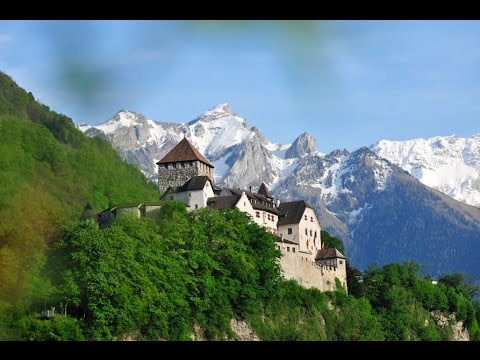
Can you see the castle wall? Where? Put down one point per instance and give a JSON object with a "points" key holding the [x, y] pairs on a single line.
{"points": [[299, 266], [293, 237], [195, 199], [152, 211], [308, 228], [177, 174], [329, 275]]}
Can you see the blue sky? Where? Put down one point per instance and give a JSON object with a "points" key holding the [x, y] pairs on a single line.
{"points": [[349, 83]]}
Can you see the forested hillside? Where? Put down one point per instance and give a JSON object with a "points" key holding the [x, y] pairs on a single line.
{"points": [[191, 273], [50, 173]]}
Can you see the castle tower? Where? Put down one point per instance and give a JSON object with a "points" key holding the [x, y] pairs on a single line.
{"points": [[180, 165]]}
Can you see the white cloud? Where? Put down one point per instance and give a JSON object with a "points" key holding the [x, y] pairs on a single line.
{"points": [[5, 38]]}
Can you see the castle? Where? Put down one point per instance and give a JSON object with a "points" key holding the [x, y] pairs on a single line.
{"points": [[185, 175]]}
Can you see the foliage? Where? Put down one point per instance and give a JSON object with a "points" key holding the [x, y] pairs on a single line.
{"points": [[49, 173], [332, 242]]}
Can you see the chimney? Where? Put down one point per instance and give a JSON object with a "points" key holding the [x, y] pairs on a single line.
{"points": [[250, 188]]}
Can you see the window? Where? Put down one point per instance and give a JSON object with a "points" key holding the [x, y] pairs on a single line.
{"points": [[289, 231], [189, 194], [341, 262], [273, 218], [171, 197], [257, 214], [305, 217], [278, 247], [196, 206], [315, 233], [244, 203], [306, 232], [293, 249], [328, 282], [268, 216], [288, 248], [311, 232], [311, 218]]}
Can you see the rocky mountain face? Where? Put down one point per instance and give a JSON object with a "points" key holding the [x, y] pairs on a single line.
{"points": [[226, 140], [387, 215], [303, 145], [449, 164], [380, 211]]}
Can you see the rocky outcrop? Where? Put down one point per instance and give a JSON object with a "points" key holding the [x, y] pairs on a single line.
{"points": [[459, 331], [303, 145], [243, 331]]}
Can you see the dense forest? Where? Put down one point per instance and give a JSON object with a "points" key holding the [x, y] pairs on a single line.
{"points": [[151, 280], [50, 174], [167, 277]]}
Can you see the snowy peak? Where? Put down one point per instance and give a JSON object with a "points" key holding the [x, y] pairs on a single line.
{"points": [[220, 109], [124, 118], [217, 112], [226, 139], [450, 164]]}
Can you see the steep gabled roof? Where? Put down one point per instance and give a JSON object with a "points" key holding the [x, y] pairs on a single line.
{"points": [[331, 253], [194, 183], [223, 202], [183, 151], [263, 190], [258, 204], [293, 211]]}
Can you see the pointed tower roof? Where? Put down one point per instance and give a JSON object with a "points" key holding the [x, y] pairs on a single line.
{"points": [[183, 151], [263, 190]]}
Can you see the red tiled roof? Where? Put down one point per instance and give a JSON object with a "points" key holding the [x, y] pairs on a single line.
{"points": [[184, 151]]}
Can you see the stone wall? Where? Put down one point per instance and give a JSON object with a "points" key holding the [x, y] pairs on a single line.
{"points": [[298, 265], [177, 174]]}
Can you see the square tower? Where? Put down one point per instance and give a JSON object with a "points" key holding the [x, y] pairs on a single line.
{"points": [[180, 165]]}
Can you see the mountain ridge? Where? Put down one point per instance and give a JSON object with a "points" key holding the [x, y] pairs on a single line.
{"points": [[356, 194]]}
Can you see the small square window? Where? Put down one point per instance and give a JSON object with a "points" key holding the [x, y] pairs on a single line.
{"points": [[305, 217], [257, 214], [341, 262], [289, 231]]}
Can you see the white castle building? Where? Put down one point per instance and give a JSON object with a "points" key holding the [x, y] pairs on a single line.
{"points": [[185, 175]]}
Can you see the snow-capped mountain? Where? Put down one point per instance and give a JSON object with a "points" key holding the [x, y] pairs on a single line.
{"points": [[381, 212], [226, 139], [449, 164]]}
